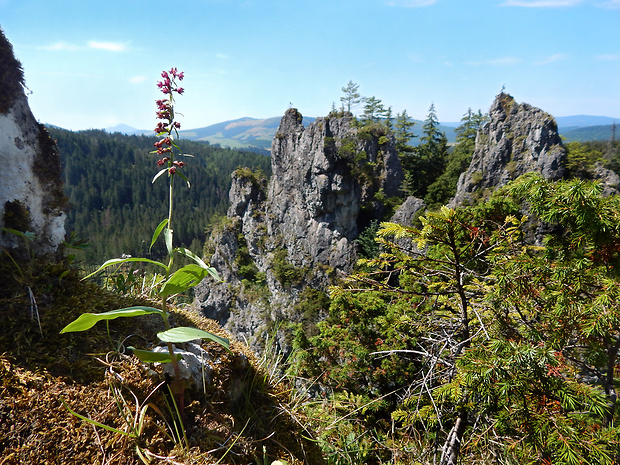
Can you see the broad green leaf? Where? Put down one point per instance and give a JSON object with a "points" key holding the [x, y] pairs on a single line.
{"points": [[118, 261], [159, 174], [186, 180], [191, 255], [28, 235], [149, 356], [186, 334], [88, 320], [183, 279], [157, 232], [168, 238]]}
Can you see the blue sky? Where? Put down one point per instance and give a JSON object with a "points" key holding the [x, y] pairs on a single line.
{"points": [[95, 64]]}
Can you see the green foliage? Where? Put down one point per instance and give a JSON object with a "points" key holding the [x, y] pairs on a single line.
{"points": [[473, 338], [88, 320], [444, 188], [284, 271], [403, 133], [173, 281], [256, 176], [374, 110], [246, 267], [351, 97], [11, 75], [104, 179], [312, 306], [424, 163], [368, 246], [581, 159]]}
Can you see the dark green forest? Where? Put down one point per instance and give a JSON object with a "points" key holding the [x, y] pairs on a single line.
{"points": [[114, 206]]}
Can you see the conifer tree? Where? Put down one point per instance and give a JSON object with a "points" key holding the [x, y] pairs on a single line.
{"points": [[403, 133], [374, 110], [444, 188], [511, 349], [351, 97], [425, 163]]}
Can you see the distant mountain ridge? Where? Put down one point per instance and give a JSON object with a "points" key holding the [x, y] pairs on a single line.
{"points": [[257, 134]]}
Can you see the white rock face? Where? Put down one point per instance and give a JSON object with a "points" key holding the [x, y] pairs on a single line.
{"points": [[31, 197]]}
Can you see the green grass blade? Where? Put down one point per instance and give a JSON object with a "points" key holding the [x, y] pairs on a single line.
{"points": [[96, 423]]}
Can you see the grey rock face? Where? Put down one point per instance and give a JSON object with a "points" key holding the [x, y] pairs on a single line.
{"points": [[407, 211], [297, 232], [517, 139], [610, 181], [31, 195]]}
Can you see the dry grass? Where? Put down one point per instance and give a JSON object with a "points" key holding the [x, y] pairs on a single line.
{"points": [[241, 418]]}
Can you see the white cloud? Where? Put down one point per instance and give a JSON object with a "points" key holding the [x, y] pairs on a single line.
{"points": [[410, 3], [222, 56], [137, 79], [611, 4], [608, 57], [501, 61], [542, 3], [552, 59], [109, 46], [60, 47]]}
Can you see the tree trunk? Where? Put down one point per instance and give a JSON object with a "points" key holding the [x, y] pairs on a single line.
{"points": [[452, 446]]}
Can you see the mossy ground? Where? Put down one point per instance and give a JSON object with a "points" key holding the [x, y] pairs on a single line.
{"points": [[241, 418]]}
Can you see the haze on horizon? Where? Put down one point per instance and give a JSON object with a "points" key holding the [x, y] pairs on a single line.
{"points": [[90, 67]]}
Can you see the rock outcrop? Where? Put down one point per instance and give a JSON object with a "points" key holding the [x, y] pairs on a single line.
{"points": [[31, 194], [289, 239], [609, 180], [406, 212], [516, 139]]}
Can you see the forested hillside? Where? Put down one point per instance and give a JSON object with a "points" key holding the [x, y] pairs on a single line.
{"points": [[114, 205]]}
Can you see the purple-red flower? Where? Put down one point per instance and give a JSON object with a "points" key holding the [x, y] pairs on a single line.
{"points": [[160, 145], [165, 112], [161, 127]]}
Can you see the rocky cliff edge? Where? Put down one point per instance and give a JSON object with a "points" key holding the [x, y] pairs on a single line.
{"points": [[288, 239]]}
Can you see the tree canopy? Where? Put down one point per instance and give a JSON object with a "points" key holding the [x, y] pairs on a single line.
{"points": [[114, 205], [479, 346]]}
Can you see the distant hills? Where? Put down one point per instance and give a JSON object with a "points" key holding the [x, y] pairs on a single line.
{"points": [[257, 134]]}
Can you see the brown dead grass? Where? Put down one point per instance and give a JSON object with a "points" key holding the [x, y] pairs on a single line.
{"points": [[238, 418]]}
